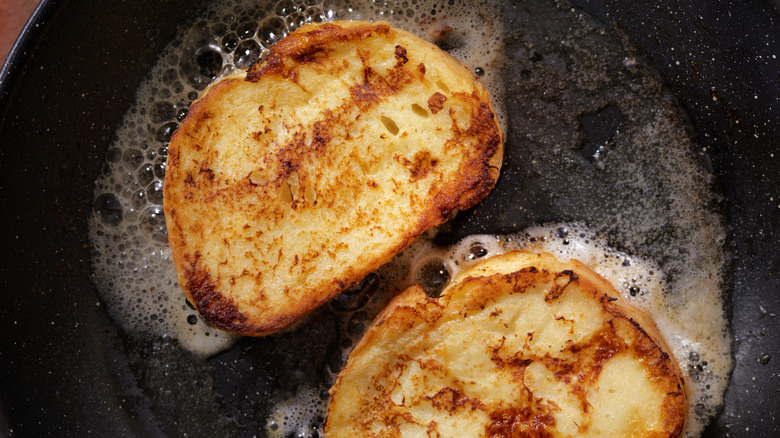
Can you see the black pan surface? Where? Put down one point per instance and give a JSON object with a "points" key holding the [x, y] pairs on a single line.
{"points": [[66, 369]]}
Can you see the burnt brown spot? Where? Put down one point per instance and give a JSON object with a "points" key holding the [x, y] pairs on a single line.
{"points": [[290, 155], [398, 77], [321, 133], [400, 55], [560, 283], [422, 163], [451, 399], [208, 173], [607, 345], [432, 366], [201, 118], [432, 430], [371, 91], [520, 422], [436, 102]]}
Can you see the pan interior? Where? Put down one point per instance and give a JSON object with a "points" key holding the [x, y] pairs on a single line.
{"points": [[594, 144]]}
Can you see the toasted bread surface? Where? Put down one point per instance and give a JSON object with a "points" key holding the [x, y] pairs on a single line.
{"points": [[520, 345], [288, 183]]}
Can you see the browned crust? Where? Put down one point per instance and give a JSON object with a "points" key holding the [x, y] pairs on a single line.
{"points": [[477, 176], [473, 180], [638, 336], [307, 44]]}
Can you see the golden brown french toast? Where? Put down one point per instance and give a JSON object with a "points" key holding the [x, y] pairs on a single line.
{"points": [[520, 345], [288, 183]]}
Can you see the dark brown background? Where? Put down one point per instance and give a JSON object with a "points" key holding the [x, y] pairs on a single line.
{"points": [[13, 15]]}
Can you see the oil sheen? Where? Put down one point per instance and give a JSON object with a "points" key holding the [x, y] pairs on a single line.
{"points": [[598, 167]]}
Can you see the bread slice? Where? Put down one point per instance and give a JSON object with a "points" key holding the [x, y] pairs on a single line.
{"points": [[288, 183], [520, 345]]}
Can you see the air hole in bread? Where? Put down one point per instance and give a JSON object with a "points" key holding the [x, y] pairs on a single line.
{"points": [[285, 193], [257, 178], [420, 111], [222, 253], [462, 118], [390, 125], [310, 194], [295, 185], [443, 87]]}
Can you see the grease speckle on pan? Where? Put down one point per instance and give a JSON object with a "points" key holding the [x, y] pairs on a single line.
{"points": [[595, 146]]}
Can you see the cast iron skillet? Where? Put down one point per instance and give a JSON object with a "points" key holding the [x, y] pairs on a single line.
{"points": [[73, 74]]}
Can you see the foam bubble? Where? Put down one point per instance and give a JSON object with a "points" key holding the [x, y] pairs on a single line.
{"points": [[299, 415]]}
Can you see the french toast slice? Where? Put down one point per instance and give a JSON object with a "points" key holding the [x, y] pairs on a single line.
{"points": [[288, 183], [520, 345]]}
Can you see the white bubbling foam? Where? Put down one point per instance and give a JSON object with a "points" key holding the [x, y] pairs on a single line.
{"points": [[135, 274], [294, 416]]}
